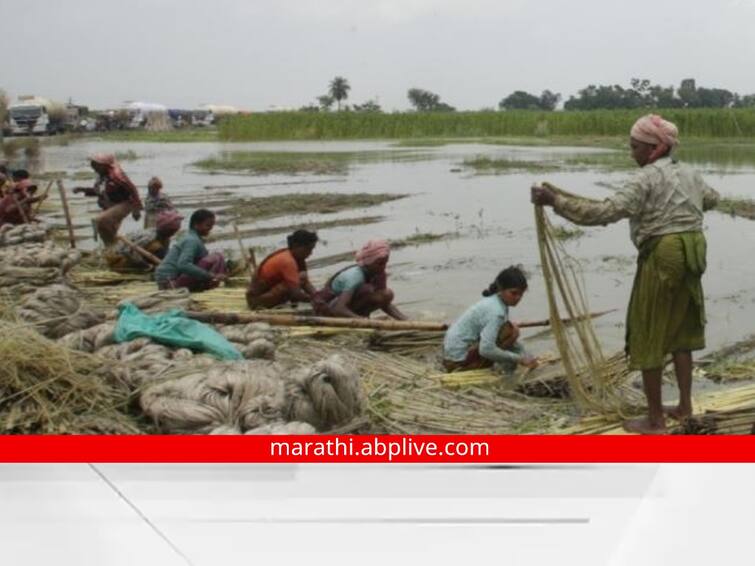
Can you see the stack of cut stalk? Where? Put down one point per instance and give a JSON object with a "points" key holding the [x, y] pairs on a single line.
{"points": [[731, 411], [735, 421], [46, 388], [405, 396], [407, 342], [100, 277]]}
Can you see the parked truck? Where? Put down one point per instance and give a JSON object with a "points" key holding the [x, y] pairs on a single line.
{"points": [[209, 114], [34, 115]]}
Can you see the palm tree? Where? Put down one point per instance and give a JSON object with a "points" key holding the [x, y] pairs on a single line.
{"points": [[339, 90]]}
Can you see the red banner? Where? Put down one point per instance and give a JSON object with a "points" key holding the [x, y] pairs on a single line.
{"points": [[378, 449]]}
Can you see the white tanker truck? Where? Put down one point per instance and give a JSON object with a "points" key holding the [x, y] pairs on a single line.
{"points": [[35, 115]]}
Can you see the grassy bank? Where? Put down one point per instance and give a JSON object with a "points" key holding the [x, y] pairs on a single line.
{"points": [[291, 163], [259, 208], [353, 125], [176, 136]]}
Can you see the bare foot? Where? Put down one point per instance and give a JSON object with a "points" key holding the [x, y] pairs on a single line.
{"points": [[678, 413], [643, 425]]}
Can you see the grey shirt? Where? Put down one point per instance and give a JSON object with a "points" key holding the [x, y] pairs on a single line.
{"points": [[664, 197]]}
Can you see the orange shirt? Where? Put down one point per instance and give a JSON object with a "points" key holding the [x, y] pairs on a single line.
{"points": [[280, 267]]}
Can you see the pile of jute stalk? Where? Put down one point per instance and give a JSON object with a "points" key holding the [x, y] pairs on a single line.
{"points": [[45, 388], [406, 395]]}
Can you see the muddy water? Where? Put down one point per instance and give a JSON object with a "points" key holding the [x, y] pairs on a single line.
{"points": [[491, 214]]}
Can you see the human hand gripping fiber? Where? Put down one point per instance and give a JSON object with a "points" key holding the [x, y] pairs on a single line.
{"points": [[172, 328]]}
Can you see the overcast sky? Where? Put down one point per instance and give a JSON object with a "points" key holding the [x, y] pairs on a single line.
{"points": [[257, 53]]}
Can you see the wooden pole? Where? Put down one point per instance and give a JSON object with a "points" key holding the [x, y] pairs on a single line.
{"points": [[67, 213], [153, 259], [547, 322], [249, 266], [301, 320], [44, 196], [21, 210]]}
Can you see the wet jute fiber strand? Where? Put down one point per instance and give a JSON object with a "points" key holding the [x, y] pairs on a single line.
{"points": [[592, 381]]}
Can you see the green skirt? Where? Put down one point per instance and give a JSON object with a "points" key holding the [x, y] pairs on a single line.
{"points": [[666, 311]]}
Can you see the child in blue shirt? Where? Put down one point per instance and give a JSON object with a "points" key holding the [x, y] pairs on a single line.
{"points": [[484, 334]]}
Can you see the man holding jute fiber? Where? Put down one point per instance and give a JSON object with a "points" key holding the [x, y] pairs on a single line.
{"points": [[664, 202]]}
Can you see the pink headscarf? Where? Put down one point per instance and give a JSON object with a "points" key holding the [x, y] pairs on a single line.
{"points": [[168, 219], [373, 251], [654, 130], [104, 159]]}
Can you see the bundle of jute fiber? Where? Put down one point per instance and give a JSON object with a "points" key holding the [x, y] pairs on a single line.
{"points": [[46, 388], [326, 395], [293, 427], [160, 301], [594, 384], [12, 235], [57, 310], [145, 362], [255, 340], [247, 395], [23, 280], [45, 254], [90, 339]]}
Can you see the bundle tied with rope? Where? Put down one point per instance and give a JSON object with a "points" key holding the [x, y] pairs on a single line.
{"points": [[90, 339], [243, 397], [44, 254], [595, 383], [146, 362], [11, 235], [16, 281], [57, 310]]}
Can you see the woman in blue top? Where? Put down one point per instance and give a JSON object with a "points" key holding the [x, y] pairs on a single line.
{"points": [[188, 264], [484, 335], [359, 290]]}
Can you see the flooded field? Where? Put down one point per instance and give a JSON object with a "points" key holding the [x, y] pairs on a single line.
{"points": [[475, 195]]}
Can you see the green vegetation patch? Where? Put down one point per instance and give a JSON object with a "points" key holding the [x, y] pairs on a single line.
{"points": [[292, 163], [298, 203], [267, 231], [176, 136], [610, 160], [489, 165], [742, 207], [421, 238], [700, 123]]}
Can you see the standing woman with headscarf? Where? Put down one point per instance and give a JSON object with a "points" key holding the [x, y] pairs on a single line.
{"points": [[664, 203], [359, 290], [116, 195]]}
